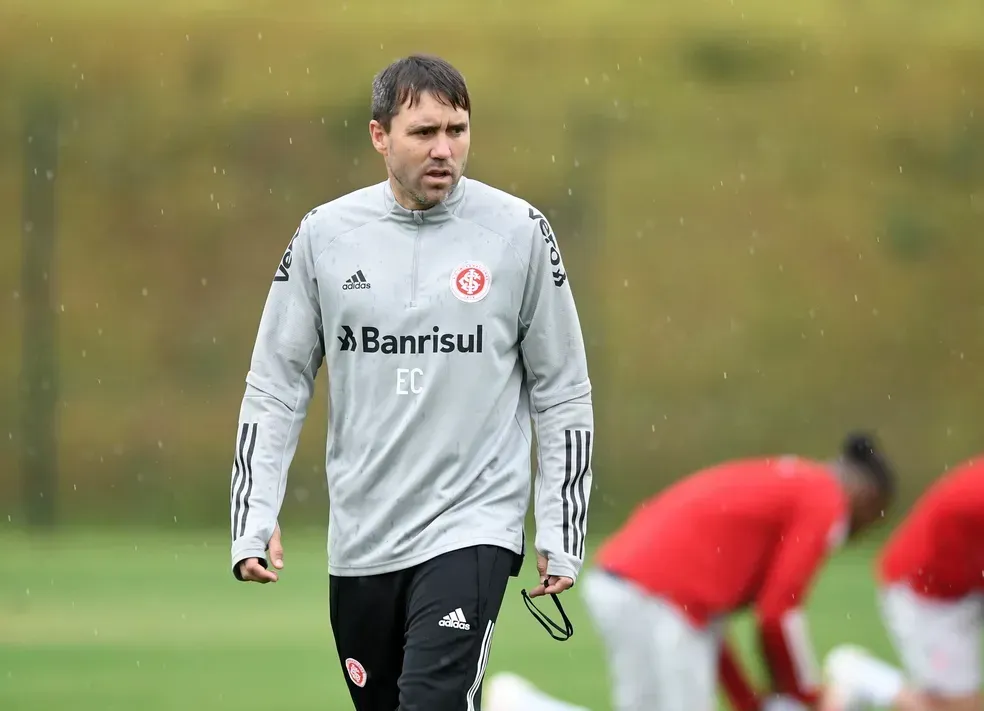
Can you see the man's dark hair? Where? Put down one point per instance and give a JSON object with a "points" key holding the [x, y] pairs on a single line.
{"points": [[406, 79], [861, 450]]}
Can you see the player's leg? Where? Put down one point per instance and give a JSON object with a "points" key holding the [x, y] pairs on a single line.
{"points": [[657, 660], [689, 657], [857, 681], [453, 601], [368, 621], [507, 691], [939, 645]]}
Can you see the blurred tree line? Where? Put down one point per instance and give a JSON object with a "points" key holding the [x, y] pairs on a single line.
{"points": [[771, 218]]}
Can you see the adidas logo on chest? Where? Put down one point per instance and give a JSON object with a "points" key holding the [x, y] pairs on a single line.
{"points": [[356, 281]]}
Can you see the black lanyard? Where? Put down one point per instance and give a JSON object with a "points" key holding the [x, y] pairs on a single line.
{"points": [[566, 632]]}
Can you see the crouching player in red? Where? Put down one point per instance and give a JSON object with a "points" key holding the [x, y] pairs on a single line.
{"points": [[931, 579], [743, 534]]}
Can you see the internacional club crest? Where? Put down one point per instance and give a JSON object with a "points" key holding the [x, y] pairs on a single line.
{"points": [[470, 282], [356, 672]]}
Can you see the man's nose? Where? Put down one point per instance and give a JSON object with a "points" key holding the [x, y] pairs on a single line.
{"points": [[441, 149]]}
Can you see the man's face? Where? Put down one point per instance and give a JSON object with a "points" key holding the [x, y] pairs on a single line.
{"points": [[426, 150], [867, 508]]}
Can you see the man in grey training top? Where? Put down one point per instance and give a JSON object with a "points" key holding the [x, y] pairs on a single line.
{"points": [[444, 314]]}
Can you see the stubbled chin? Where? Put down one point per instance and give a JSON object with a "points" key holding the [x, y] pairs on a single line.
{"points": [[438, 187], [431, 191]]}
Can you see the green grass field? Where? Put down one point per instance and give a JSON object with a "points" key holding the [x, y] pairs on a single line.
{"points": [[122, 620]]}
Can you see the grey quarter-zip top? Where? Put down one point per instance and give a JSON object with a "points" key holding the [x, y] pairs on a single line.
{"points": [[450, 337]]}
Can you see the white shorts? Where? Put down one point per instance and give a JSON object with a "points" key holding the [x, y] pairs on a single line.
{"points": [[658, 660], [938, 641]]}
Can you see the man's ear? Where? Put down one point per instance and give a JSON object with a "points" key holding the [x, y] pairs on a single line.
{"points": [[379, 137]]}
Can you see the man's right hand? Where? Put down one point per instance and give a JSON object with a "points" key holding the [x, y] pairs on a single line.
{"points": [[251, 570]]}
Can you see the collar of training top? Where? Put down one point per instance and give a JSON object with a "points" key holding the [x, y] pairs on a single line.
{"points": [[442, 211]]}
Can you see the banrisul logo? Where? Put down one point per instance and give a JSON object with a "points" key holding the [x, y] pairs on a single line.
{"points": [[369, 339]]}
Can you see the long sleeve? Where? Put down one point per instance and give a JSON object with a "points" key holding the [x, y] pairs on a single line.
{"points": [[560, 400], [288, 351], [737, 689], [783, 630]]}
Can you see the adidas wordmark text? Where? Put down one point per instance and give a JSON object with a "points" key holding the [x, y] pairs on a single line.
{"points": [[455, 619], [356, 281]]}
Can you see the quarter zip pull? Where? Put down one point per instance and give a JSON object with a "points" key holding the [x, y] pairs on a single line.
{"points": [[413, 269]]}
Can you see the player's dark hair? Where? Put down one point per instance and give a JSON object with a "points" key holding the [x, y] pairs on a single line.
{"points": [[861, 450], [405, 80]]}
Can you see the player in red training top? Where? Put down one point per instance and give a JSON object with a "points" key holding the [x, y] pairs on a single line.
{"points": [[744, 534], [931, 580]]}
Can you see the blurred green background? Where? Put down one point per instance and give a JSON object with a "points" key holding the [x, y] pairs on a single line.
{"points": [[771, 214]]}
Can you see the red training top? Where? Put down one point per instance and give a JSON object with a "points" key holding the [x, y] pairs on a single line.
{"points": [[745, 533], [937, 549]]}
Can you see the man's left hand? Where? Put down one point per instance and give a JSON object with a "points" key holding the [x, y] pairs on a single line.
{"points": [[554, 583]]}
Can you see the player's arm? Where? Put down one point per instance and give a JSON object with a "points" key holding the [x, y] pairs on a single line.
{"points": [[783, 631], [740, 693], [288, 351], [560, 401]]}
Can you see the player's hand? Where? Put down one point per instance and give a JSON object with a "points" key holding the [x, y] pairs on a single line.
{"points": [[554, 585], [251, 570], [780, 702]]}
